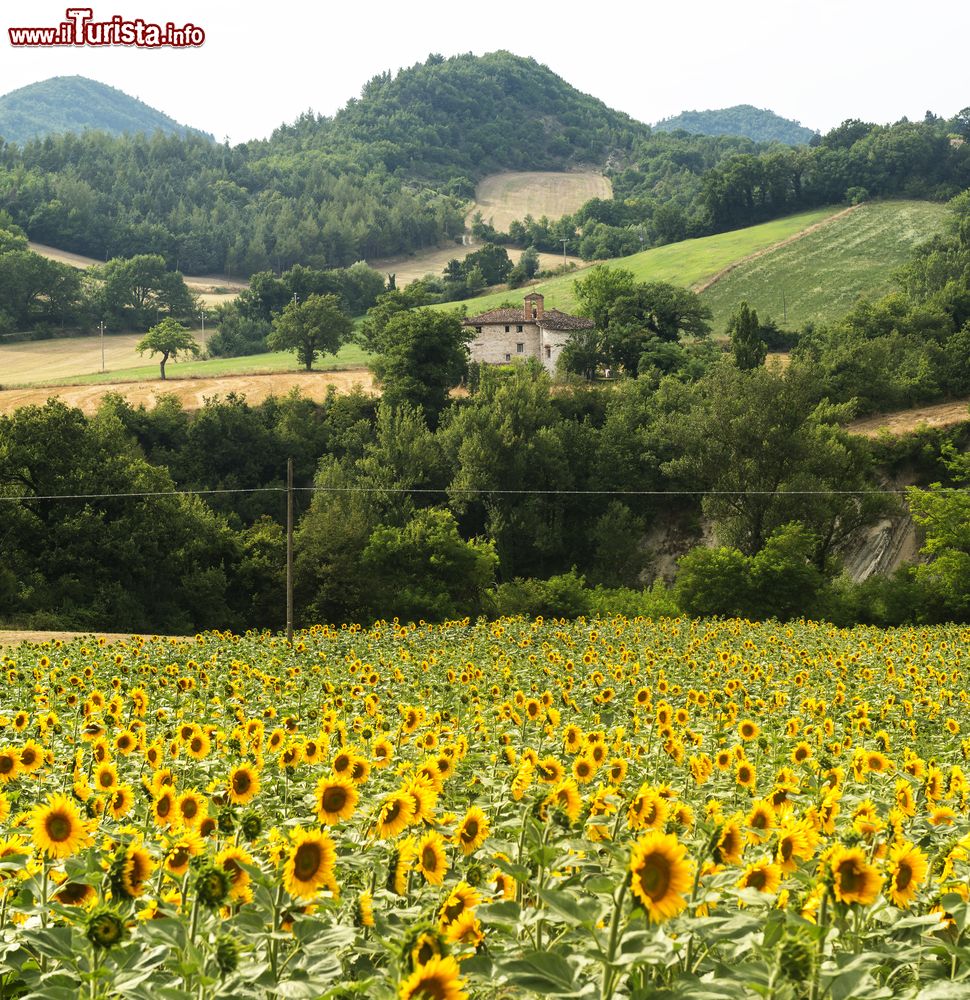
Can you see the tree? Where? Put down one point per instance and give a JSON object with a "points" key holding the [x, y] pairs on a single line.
{"points": [[749, 348], [424, 355], [168, 338], [138, 287], [426, 570], [944, 515], [313, 327]]}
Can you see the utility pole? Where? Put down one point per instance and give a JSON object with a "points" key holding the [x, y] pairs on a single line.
{"points": [[202, 314], [289, 550], [101, 325], [564, 242]]}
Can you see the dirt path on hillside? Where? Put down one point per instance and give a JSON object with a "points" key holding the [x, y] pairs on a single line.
{"points": [[192, 392], [905, 421], [704, 285]]}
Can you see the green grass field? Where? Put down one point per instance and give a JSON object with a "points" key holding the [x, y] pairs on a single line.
{"points": [[686, 263], [349, 356], [819, 277]]}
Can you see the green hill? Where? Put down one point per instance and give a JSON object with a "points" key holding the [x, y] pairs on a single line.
{"points": [[77, 104], [820, 276], [687, 263], [471, 115], [743, 119]]}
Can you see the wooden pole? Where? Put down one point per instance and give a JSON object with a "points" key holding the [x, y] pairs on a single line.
{"points": [[289, 550]]}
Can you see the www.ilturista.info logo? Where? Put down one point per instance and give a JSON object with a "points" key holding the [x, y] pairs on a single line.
{"points": [[80, 28]]}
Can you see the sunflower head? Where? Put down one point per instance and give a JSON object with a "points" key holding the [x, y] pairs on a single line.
{"points": [[659, 875], [212, 885], [105, 928]]}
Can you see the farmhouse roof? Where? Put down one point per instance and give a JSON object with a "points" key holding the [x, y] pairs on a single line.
{"points": [[495, 316], [552, 319]]}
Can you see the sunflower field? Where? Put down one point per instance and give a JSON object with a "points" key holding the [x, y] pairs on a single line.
{"points": [[605, 809]]}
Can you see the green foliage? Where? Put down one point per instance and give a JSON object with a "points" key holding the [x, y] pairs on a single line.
{"points": [[944, 515], [170, 339], [423, 356], [742, 119], [779, 581], [137, 289], [425, 569], [317, 325], [747, 344]]}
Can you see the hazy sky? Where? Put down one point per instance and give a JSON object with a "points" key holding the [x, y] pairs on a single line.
{"points": [[263, 64]]}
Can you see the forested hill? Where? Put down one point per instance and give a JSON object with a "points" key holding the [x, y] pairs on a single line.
{"points": [[744, 120], [75, 104], [473, 115]]}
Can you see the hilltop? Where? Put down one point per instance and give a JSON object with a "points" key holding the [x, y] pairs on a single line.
{"points": [[76, 104], [746, 120]]}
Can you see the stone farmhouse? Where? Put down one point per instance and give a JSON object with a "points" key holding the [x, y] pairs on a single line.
{"points": [[502, 335]]}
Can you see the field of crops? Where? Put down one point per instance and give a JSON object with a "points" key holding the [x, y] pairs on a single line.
{"points": [[821, 276], [616, 808]]}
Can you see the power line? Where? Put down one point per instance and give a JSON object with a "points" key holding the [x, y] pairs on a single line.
{"points": [[462, 490]]}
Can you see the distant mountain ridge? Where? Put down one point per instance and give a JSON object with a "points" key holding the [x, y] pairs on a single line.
{"points": [[758, 124], [78, 104]]}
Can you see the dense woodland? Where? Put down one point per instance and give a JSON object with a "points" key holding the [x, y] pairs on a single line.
{"points": [[393, 171], [742, 119], [522, 495]]}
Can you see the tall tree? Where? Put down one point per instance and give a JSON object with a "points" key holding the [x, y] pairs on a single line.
{"points": [[313, 327], [747, 344], [424, 355]]}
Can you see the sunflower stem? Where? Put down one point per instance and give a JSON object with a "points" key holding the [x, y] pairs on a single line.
{"points": [[609, 974], [823, 929]]}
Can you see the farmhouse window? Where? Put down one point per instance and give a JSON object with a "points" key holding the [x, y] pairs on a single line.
{"points": [[506, 329], [478, 329], [520, 348], [508, 357], [548, 351], [518, 328]]}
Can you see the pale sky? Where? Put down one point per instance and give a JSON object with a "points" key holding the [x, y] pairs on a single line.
{"points": [[262, 65]]}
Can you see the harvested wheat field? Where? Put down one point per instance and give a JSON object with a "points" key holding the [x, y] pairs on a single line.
{"points": [[191, 392], [515, 194], [410, 267]]}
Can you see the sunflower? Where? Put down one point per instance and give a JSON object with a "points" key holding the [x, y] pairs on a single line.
{"points": [[9, 764], [136, 870], [76, 894], [648, 810], [179, 852], [57, 828], [105, 777], [192, 808], [745, 775], [430, 857], [309, 865], [660, 875], [163, 808], [31, 756], [399, 866], [336, 799], [198, 745], [396, 814], [761, 875], [796, 841], [232, 860], [730, 842], [748, 730], [438, 979], [760, 821], [243, 784], [472, 831], [854, 880], [425, 799], [584, 769], [465, 930], [907, 869], [565, 799]]}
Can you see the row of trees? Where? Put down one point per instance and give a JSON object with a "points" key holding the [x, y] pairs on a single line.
{"points": [[516, 483]]}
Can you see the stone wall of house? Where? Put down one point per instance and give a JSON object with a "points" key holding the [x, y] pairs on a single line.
{"points": [[552, 343], [494, 346]]}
